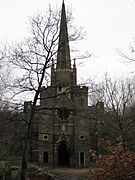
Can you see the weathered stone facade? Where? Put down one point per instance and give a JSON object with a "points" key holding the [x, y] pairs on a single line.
{"points": [[62, 120]]}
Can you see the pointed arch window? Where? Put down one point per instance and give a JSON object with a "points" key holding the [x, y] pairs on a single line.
{"points": [[63, 113]]}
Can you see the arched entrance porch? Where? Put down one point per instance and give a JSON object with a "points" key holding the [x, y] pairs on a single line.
{"points": [[63, 154]]}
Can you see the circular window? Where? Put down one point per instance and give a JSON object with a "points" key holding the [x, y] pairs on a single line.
{"points": [[45, 137], [81, 137]]}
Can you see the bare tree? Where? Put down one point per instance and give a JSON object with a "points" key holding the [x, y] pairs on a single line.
{"points": [[5, 72], [118, 97], [128, 56], [11, 132]]}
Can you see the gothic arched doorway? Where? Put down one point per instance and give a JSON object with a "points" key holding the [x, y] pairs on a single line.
{"points": [[82, 159], [63, 154], [45, 157]]}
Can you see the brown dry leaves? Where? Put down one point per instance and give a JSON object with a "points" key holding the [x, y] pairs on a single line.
{"points": [[117, 165]]}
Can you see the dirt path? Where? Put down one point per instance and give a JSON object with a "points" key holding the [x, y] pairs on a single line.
{"points": [[70, 174]]}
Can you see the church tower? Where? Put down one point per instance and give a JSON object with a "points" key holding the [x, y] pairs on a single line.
{"points": [[63, 75], [63, 123]]}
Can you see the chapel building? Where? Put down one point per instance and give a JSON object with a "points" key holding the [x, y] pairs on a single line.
{"points": [[62, 120]]}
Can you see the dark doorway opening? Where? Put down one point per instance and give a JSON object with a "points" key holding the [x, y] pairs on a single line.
{"points": [[82, 158], [45, 158], [63, 154]]}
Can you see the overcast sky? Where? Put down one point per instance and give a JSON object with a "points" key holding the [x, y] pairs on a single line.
{"points": [[110, 25]]}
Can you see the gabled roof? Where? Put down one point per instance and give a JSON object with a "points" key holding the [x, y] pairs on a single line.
{"points": [[64, 101]]}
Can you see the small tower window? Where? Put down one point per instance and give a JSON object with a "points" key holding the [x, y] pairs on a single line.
{"points": [[81, 101], [60, 88]]}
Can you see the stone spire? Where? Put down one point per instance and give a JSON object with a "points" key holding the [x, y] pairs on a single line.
{"points": [[63, 56]]}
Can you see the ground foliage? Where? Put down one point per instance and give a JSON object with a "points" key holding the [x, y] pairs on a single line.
{"points": [[117, 164]]}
